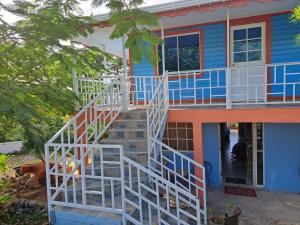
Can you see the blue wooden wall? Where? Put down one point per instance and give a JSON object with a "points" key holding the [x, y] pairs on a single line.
{"points": [[211, 151], [283, 49], [282, 157]]}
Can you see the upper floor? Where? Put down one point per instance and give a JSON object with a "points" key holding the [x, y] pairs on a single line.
{"points": [[234, 53]]}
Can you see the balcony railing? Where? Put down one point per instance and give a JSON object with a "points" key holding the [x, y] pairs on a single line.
{"points": [[234, 86]]}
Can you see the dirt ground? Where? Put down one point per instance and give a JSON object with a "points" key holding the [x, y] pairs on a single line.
{"points": [[268, 208]]}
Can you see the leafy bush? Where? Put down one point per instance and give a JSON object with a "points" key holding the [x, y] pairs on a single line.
{"points": [[5, 198], [3, 163]]}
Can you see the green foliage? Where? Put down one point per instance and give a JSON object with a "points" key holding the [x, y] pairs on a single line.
{"points": [[134, 23], [5, 198], [4, 163], [37, 55], [3, 185], [295, 18]]}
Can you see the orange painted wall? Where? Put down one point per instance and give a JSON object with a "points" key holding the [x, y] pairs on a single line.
{"points": [[200, 116]]}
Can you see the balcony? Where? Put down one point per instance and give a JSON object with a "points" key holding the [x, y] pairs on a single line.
{"points": [[276, 85]]}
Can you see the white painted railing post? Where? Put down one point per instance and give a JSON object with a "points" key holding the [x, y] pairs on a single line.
{"points": [[228, 70], [124, 86], [228, 89]]}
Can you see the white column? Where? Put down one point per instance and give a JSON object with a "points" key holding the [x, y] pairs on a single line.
{"points": [[124, 86], [163, 48], [228, 71]]}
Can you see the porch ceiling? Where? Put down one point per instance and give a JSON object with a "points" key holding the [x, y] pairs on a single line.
{"points": [[253, 8]]}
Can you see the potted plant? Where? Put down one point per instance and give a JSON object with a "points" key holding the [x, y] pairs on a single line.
{"points": [[215, 219], [230, 215]]}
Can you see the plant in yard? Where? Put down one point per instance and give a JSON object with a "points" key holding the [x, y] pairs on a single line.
{"points": [[215, 218], [5, 198], [37, 55], [4, 163], [128, 20]]}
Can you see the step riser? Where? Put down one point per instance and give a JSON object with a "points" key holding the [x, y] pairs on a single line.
{"points": [[133, 115], [131, 146], [127, 134], [130, 124]]}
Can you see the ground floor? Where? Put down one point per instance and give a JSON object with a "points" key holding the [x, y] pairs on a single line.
{"points": [[268, 208], [259, 148]]}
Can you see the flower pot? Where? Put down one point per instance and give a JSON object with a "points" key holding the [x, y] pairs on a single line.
{"points": [[234, 219], [216, 221]]}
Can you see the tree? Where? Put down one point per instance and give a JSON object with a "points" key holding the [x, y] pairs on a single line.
{"points": [[37, 55], [295, 18], [128, 20]]}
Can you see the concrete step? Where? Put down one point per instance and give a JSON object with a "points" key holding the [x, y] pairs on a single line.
{"points": [[127, 133], [134, 115], [139, 144], [130, 124]]}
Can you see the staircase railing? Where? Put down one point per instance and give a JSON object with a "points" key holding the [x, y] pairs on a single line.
{"points": [[157, 111], [176, 168], [157, 201], [76, 178], [68, 152]]}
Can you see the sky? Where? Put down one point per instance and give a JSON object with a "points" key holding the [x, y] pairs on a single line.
{"points": [[85, 6]]}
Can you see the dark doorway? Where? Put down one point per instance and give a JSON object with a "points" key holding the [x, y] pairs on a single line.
{"points": [[236, 152]]}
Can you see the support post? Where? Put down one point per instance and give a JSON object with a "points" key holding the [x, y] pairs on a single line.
{"points": [[228, 70], [124, 86], [163, 48]]}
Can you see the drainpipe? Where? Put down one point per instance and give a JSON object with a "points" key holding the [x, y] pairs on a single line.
{"points": [[124, 89], [228, 70]]}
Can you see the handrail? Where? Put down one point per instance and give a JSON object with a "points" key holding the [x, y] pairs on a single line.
{"points": [[150, 198], [107, 102]]}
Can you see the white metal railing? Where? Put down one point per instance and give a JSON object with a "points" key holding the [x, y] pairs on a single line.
{"points": [[198, 87], [256, 84], [181, 170], [142, 89], [68, 152], [87, 89], [76, 179], [192, 183], [92, 121], [266, 84], [156, 200]]}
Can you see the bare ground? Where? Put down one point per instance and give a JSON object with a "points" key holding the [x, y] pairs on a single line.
{"points": [[268, 208]]}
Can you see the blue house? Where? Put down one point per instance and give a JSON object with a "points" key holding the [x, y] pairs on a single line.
{"points": [[222, 106]]}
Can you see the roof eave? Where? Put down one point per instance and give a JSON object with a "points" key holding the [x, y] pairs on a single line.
{"points": [[165, 7]]}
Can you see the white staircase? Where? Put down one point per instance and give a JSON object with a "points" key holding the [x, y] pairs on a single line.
{"points": [[114, 163]]}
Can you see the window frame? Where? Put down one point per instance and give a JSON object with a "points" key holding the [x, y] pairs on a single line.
{"points": [[201, 51], [263, 44]]}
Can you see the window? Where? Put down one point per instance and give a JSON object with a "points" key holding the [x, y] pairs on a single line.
{"points": [[247, 45], [179, 136], [182, 53]]}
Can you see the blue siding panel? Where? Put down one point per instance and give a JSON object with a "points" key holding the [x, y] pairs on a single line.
{"points": [[284, 49], [211, 150], [214, 57], [282, 157], [214, 46]]}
